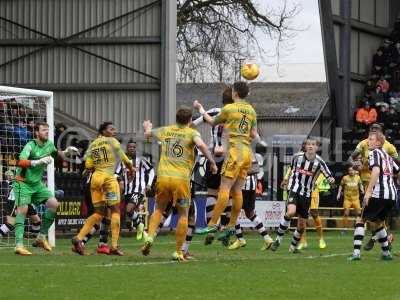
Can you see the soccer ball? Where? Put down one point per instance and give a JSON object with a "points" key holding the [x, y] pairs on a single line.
{"points": [[250, 71]]}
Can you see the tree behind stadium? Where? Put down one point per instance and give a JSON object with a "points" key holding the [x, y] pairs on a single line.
{"points": [[214, 36]]}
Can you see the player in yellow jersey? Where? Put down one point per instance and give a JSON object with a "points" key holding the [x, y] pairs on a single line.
{"points": [[365, 174], [103, 156], [240, 123], [363, 151], [173, 174], [351, 186]]}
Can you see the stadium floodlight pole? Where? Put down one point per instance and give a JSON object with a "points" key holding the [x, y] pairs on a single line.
{"points": [[50, 120]]}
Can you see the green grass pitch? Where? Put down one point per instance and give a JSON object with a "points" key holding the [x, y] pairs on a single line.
{"points": [[217, 273]]}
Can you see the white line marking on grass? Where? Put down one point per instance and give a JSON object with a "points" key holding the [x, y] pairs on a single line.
{"points": [[168, 262], [132, 264]]}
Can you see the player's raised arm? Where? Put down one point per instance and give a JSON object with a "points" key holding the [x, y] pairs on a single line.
{"points": [[147, 126], [210, 120], [204, 149], [125, 159]]}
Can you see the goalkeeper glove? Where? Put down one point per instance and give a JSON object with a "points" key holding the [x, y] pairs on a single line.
{"points": [[42, 161]]}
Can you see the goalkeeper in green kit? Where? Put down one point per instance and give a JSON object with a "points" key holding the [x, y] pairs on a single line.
{"points": [[29, 188]]}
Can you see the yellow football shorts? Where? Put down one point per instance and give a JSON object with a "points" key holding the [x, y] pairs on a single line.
{"points": [[173, 189], [237, 163], [351, 203], [314, 200], [105, 189]]}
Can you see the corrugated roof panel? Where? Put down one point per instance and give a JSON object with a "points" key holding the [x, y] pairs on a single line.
{"points": [[60, 18], [127, 109]]}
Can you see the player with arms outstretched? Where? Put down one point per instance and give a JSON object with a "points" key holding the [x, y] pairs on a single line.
{"points": [[240, 122], [102, 156], [174, 173]]}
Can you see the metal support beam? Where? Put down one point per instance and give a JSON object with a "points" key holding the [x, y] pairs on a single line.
{"points": [[168, 59], [63, 41], [328, 41], [94, 86], [394, 10], [344, 111], [139, 40], [363, 27]]}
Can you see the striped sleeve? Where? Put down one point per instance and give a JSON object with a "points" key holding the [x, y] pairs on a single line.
{"points": [[373, 159], [293, 162], [396, 168], [118, 169], [324, 168]]}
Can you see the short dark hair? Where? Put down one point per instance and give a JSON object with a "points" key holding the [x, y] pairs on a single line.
{"points": [[376, 127], [311, 139], [40, 123], [227, 95], [242, 88], [131, 141], [183, 115], [103, 126]]}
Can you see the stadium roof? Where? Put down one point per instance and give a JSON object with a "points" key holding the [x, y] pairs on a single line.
{"points": [[272, 100]]}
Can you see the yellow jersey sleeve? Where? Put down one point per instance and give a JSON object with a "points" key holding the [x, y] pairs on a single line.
{"points": [[157, 132], [287, 175], [89, 163], [343, 181], [117, 148], [254, 120], [222, 116], [391, 150], [362, 146]]}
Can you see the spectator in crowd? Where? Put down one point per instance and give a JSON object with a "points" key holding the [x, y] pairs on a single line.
{"points": [[395, 55], [30, 124], [392, 119], [369, 88], [395, 35], [366, 116], [6, 185], [60, 128], [382, 86], [383, 113], [378, 63]]}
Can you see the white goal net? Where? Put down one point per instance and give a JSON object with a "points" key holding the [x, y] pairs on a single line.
{"points": [[20, 109]]}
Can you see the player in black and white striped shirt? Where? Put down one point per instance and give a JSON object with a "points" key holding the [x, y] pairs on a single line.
{"points": [[135, 189], [306, 168], [380, 196]]}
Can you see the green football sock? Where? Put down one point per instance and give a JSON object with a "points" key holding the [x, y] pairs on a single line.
{"points": [[19, 229], [47, 220]]}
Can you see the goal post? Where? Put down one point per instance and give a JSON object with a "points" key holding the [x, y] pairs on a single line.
{"points": [[20, 108]]}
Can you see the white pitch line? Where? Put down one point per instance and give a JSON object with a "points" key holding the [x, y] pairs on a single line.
{"points": [[168, 262]]}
